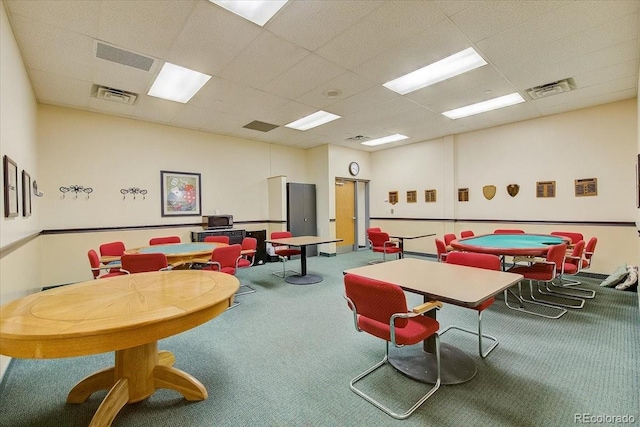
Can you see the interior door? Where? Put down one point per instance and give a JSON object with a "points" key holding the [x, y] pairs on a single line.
{"points": [[345, 216]]}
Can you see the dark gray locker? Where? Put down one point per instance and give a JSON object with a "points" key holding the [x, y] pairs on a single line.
{"points": [[301, 212]]}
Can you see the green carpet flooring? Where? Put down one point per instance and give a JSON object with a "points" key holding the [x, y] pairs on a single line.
{"points": [[286, 354]]}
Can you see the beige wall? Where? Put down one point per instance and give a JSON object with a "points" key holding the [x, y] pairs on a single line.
{"points": [[595, 142]]}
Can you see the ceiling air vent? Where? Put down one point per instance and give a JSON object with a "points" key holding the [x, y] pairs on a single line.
{"points": [[121, 56], [549, 89], [358, 138], [115, 95], [260, 126]]}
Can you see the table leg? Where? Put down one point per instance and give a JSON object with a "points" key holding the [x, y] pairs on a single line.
{"points": [[420, 363], [401, 246], [303, 278], [137, 374]]}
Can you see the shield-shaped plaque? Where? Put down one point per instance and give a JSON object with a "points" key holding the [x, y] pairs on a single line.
{"points": [[489, 191], [513, 189]]}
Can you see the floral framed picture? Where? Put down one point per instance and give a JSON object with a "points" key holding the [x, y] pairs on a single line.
{"points": [[10, 187], [26, 194], [180, 193]]}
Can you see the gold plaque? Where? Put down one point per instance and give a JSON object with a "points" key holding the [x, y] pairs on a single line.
{"points": [[489, 191], [463, 194], [513, 189]]}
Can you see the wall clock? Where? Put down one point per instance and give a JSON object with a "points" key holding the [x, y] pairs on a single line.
{"points": [[354, 168]]}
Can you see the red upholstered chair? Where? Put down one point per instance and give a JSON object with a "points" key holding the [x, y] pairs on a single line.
{"points": [[249, 248], [441, 250], [466, 233], [164, 240], [283, 252], [571, 267], [375, 230], [448, 238], [225, 259], [380, 242], [112, 249], [546, 272], [575, 237], [217, 239], [380, 309], [94, 262], [142, 263], [477, 260], [589, 250], [508, 231]]}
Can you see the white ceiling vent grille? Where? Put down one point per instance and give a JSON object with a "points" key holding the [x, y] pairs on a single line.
{"points": [[549, 89], [115, 95], [120, 56]]}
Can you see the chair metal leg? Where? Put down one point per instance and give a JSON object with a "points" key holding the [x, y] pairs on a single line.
{"points": [[579, 304], [284, 271], [521, 306], [250, 291], [571, 285], [374, 402], [477, 333]]}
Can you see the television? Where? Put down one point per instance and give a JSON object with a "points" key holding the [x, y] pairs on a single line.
{"points": [[213, 222]]}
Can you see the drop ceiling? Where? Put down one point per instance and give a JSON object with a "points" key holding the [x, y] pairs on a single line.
{"points": [[331, 55]]}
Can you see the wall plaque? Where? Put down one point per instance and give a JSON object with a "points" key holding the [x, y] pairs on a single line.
{"points": [[586, 187], [546, 189], [429, 196], [463, 194]]}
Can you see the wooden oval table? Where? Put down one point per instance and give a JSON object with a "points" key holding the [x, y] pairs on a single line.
{"points": [[126, 314]]}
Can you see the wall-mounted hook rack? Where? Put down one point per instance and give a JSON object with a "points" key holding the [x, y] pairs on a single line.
{"points": [[76, 189], [134, 191], [36, 193]]}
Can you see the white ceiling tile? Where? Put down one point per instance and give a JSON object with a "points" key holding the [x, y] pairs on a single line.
{"points": [[76, 16], [450, 8], [311, 24], [211, 38], [303, 77], [266, 57], [60, 90], [360, 101], [385, 27], [348, 83], [147, 27]]}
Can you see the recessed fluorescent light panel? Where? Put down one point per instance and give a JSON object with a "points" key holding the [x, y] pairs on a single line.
{"points": [[483, 107], [177, 83], [385, 140], [256, 11], [312, 120], [444, 69]]}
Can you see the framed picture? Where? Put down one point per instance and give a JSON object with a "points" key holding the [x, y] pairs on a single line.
{"points": [[26, 193], [180, 193], [10, 187]]}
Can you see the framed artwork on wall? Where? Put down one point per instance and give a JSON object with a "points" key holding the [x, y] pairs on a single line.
{"points": [[26, 194], [180, 193], [10, 187]]}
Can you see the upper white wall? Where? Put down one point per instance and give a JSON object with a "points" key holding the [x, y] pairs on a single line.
{"points": [[18, 114], [598, 142], [109, 153]]}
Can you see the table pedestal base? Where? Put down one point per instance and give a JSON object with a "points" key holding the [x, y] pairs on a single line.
{"points": [[456, 367], [307, 279], [137, 374]]}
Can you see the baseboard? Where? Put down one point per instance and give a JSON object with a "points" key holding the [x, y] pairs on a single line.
{"points": [[327, 254]]}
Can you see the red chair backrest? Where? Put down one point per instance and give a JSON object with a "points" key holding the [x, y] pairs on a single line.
{"points": [[217, 239], [227, 257], [94, 261], [281, 234], [378, 238], [508, 231], [441, 248], [466, 233], [448, 238], [164, 240], [112, 249], [472, 259], [373, 230], [375, 300], [576, 254], [590, 248], [249, 244], [575, 237], [556, 254], [141, 263]]}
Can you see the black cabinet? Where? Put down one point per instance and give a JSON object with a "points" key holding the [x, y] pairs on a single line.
{"points": [[301, 212], [261, 250], [235, 236]]}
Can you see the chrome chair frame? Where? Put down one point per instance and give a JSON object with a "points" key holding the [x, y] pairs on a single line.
{"points": [[368, 398]]}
